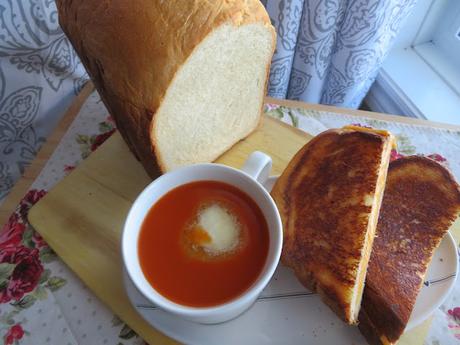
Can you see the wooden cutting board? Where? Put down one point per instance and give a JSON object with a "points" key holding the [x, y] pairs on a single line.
{"points": [[82, 217]]}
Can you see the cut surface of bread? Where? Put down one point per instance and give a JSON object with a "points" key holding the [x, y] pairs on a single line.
{"points": [[329, 198], [183, 79], [215, 98], [421, 202]]}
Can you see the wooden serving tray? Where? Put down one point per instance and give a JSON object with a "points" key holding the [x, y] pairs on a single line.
{"points": [[82, 217]]}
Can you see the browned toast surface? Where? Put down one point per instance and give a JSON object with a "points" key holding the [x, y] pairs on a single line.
{"points": [[325, 197], [420, 203]]}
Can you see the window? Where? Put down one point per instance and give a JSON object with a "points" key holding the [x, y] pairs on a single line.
{"points": [[421, 75], [438, 41]]}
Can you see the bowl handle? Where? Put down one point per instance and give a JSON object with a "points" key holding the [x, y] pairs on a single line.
{"points": [[258, 166]]}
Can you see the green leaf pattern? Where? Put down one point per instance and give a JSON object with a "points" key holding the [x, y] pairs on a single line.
{"points": [[294, 119], [404, 145], [85, 145], [55, 283], [125, 331], [105, 126], [47, 255], [116, 321], [44, 277], [40, 293], [280, 113], [26, 302], [86, 141], [27, 238], [6, 270]]}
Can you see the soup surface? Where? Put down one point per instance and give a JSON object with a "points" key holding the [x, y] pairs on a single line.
{"points": [[203, 244]]}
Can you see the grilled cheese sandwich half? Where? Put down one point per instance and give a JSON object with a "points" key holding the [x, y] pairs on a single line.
{"points": [[421, 201], [329, 199]]}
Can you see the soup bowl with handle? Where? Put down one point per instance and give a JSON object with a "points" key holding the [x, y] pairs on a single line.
{"points": [[250, 179]]}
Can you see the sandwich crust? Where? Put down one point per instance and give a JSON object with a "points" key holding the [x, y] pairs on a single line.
{"points": [[421, 201], [326, 198]]}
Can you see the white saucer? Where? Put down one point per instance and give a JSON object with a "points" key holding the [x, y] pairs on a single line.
{"points": [[287, 313]]}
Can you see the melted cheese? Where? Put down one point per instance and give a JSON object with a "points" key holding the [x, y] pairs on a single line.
{"points": [[217, 230], [375, 202], [381, 132]]}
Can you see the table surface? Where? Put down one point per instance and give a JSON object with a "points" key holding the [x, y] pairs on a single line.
{"points": [[15, 319]]}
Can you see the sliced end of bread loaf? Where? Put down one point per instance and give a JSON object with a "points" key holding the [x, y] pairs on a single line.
{"points": [[215, 99], [184, 80]]}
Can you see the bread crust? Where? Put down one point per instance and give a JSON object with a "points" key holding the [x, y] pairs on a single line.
{"points": [[421, 201], [133, 49], [321, 198]]}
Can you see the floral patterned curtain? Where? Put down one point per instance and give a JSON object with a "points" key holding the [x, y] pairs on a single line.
{"points": [[330, 51], [39, 76]]}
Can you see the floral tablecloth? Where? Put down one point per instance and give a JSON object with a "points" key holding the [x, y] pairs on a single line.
{"points": [[43, 302]]}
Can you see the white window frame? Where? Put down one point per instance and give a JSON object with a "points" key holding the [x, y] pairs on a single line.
{"points": [[421, 75]]}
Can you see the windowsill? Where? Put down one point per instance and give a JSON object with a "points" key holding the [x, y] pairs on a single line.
{"points": [[436, 59], [406, 85]]}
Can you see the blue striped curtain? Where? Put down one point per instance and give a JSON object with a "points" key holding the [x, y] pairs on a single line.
{"points": [[330, 51]]}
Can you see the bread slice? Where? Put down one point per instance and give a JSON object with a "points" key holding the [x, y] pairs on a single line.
{"points": [[329, 198], [184, 79], [420, 203]]}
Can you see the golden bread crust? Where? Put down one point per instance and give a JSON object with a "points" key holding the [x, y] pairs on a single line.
{"points": [[321, 196], [132, 50], [421, 201]]}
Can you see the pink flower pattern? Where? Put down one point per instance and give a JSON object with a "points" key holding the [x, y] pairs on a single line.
{"points": [[14, 333], [12, 231], [69, 168], [26, 273], [453, 319], [20, 250]]}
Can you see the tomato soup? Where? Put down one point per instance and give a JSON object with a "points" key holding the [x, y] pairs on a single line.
{"points": [[203, 244]]}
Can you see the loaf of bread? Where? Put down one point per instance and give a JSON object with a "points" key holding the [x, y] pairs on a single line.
{"points": [[184, 79]]}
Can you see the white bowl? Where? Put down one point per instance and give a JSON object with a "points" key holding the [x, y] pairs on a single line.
{"points": [[256, 169]]}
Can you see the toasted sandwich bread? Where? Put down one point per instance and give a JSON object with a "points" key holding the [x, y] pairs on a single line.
{"points": [[420, 203], [329, 198]]}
